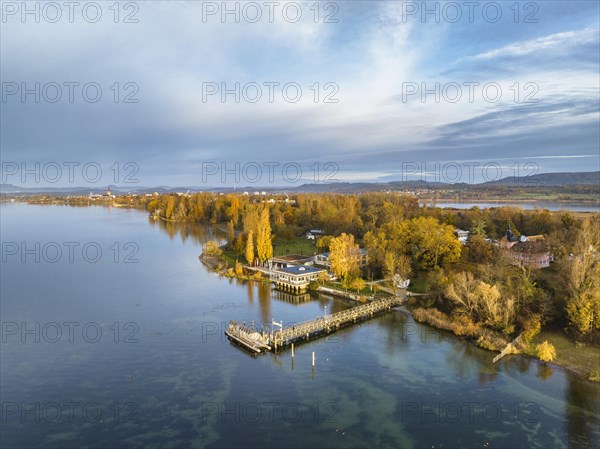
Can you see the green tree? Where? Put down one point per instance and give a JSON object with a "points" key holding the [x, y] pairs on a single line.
{"points": [[478, 228]]}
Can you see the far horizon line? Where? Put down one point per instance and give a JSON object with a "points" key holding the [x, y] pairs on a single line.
{"points": [[135, 186]]}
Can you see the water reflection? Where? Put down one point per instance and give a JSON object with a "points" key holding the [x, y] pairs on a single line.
{"points": [[182, 360], [544, 371], [194, 232], [462, 362], [581, 413], [264, 300], [291, 298], [250, 290]]}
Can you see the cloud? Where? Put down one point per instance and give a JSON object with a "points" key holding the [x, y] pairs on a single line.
{"points": [[556, 43], [369, 53]]}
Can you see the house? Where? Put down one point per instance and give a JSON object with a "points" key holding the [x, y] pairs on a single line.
{"points": [[532, 254], [532, 251], [462, 235], [289, 261], [312, 234], [508, 240], [323, 259], [403, 283], [295, 278]]}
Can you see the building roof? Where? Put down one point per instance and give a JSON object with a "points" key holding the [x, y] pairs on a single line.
{"points": [[290, 258], [535, 238], [326, 254], [531, 247], [301, 269]]}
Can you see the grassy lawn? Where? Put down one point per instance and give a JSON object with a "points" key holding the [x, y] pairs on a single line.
{"points": [[281, 247], [231, 256], [298, 245], [364, 291], [418, 283], [582, 358]]}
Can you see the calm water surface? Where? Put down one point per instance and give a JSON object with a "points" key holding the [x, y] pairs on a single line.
{"points": [[552, 206], [115, 354]]}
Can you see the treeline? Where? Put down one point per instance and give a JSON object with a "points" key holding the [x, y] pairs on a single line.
{"points": [[475, 283], [334, 213], [353, 214], [486, 288]]}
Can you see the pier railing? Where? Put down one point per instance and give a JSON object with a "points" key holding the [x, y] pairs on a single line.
{"points": [[310, 329]]}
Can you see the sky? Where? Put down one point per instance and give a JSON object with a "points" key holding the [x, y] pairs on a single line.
{"points": [[213, 94]]}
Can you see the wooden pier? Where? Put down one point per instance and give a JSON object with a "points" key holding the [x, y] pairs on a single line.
{"points": [[272, 340], [248, 337]]}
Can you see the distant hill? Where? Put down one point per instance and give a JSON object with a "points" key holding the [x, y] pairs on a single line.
{"points": [[552, 179], [344, 187], [544, 179]]}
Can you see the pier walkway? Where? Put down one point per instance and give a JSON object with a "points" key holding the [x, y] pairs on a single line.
{"points": [[256, 341]]}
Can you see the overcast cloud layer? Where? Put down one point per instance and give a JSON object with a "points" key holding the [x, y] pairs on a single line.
{"points": [[375, 56]]}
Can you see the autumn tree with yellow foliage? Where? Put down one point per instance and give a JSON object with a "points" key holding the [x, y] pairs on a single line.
{"points": [[545, 352], [250, 248], [582, 280], [344, 257], [264, 245], [480, 301]]}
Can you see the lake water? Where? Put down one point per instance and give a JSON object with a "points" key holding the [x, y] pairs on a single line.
{"points": [[126, 349], [552, 206]]}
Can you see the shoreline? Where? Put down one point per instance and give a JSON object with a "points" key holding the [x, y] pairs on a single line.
{"points": [[484, 339], [578, 370]]}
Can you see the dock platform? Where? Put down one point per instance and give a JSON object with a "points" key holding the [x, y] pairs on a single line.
{"points": [[257, 342]]}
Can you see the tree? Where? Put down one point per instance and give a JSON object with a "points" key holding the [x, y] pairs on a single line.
{"points": [[545, 352], [323, 242], [323, 277], [239, 269], [479, 250], [357, 284], [478, 228], [482, 302], [462, 291], [233, 209], [239, 244], [386, 245], [230, 234], [433, 244], [397, 264], [170, 207], [211, 248], [250, 248], [582, 273], [250, 219], [344, 257], [264, 245]]}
